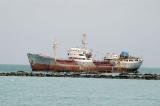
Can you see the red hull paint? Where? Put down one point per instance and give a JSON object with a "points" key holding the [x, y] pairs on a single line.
{"points": [[68, 62], [76, 68]]}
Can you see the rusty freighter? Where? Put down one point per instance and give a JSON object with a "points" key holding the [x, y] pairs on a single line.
{"points": [[81, 60]]}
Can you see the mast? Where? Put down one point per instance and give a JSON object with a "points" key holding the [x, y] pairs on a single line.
{"points": [[84, 41], [54, 49]]}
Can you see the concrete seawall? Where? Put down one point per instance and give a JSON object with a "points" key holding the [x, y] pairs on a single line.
{"points": [[85, 75]]}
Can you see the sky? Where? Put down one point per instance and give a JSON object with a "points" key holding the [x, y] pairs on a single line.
{"points": [[31, 26]]}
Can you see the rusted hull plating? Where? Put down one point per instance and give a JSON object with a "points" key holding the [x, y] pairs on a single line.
{"points": [[76, 68]]}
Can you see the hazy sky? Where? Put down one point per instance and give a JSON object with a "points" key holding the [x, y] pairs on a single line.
{"points": [[111, 26]]}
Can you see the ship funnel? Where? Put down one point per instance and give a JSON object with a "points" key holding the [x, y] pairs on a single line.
{"points": [[84, 41]]}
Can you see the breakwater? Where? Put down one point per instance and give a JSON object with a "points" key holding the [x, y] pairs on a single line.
{"points": [[85, 75]]}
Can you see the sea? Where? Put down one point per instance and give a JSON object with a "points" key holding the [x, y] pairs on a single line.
{"points": [[63, 91]]}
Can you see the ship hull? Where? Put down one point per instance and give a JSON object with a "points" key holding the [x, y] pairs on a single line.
{"points": [[43, 63], [98, 69]]}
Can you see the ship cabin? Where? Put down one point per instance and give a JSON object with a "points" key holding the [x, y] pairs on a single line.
{"points": [[111, 56], [79, 54], [124, 57]]}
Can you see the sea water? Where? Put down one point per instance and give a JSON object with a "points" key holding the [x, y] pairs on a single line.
{"points": [[52, 91]]}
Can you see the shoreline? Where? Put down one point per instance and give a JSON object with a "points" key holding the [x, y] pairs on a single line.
{"points": [[138, 76]]}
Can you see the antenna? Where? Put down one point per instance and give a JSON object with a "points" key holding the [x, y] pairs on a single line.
{"points": [[84, 41]]}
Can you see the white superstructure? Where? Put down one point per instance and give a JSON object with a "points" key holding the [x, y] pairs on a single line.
{"points": [[130, 63], [78, 53], [126, 61]]}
